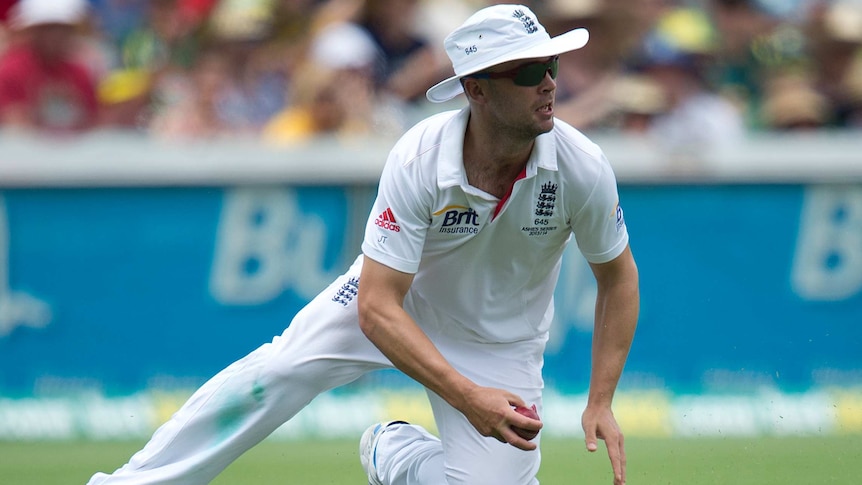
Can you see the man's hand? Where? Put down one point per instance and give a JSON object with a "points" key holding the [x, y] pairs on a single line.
{"points": [[599, 423], [491, 412]]}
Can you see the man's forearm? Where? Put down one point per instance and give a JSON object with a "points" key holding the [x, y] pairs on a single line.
{"points": [[412, 352], [617, 308]]}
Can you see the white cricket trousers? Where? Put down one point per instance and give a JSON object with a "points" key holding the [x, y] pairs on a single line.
{"points": [[321, 349]]}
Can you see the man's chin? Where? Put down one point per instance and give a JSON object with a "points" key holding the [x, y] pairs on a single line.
{"points": [[546, 126]]}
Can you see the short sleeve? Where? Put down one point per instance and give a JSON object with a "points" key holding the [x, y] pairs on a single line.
{"points": [[599, 227], [400, 217]]}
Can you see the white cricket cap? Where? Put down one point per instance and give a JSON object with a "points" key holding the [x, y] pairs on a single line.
{"points": [[498, 34], [28, 13]]}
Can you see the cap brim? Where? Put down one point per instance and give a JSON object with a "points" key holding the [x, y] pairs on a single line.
{"points": [[451, 87]]}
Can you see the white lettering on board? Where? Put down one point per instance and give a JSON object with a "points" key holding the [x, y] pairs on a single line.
{"points": [[264, 245], [827, 265], [17, 308]]}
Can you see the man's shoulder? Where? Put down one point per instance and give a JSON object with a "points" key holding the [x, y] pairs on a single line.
{"points": [[432, 125], [571, 142], [579, 159], [425, 136]]}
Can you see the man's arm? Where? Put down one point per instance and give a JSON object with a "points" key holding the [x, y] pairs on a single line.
{"points": [[383, 320], [617, 307]]}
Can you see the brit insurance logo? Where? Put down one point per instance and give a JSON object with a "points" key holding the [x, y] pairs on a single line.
{"points": [[458, 219], [545, 204], [386, 220]]}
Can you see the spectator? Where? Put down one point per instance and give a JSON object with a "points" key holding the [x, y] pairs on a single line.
{"points": [[241, 32], [295, 22], [835, 36], [325, 103], [751, 42], [117, 18], [409, 63], [125, 98], [157, 54], [587, 80], [42, 85], [196, 113], [164, 41], [636, 101], [333, 92], [674, 55], [240, 82], [152, 43], [853, 88], [792, 103]]}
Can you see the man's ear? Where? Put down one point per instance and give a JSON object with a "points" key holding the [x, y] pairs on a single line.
{"points": [[474, 89]]}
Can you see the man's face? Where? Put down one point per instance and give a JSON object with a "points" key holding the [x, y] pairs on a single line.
{"points": [[523, 111]]}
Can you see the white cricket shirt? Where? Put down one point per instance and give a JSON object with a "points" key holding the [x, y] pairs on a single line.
{"points": [[479, 276]]}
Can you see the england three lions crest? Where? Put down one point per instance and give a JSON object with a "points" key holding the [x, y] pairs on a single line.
{"points": [[546, 200]]}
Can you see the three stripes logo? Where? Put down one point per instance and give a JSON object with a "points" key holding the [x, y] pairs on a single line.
{"points": [[386, 220]]}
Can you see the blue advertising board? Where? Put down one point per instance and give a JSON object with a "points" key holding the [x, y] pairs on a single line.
{"points": [[742, 287], [123, 289]]}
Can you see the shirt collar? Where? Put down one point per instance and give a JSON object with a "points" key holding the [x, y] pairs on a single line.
{"points": [[450, 167]]}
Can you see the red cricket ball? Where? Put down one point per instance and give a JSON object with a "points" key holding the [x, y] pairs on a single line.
{"points": [[529, 412]]}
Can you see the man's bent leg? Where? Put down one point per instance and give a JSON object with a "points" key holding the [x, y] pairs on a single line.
{"points": [[400, 453], [473, 459], [405, 454], [322, 348]]}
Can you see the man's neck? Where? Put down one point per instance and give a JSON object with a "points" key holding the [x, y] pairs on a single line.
{"points": [[493, 162]]}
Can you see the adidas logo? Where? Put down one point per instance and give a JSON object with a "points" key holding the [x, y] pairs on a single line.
{"points": [[386, 220]]}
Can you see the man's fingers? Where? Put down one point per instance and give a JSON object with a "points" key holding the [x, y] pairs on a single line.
{"points": [[590, 438], [623, 460], [599, 423], [514, 399], [520, 421], [494, 418], [617, 454], [511, 437]]}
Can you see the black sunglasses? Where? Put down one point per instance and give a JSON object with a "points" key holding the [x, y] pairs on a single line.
{"points": [[529, 74]]}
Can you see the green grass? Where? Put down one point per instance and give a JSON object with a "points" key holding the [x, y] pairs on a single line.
{"points": [[719, 461]]}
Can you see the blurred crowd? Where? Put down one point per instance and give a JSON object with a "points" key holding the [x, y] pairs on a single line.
{"points": [[686, 72]]}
